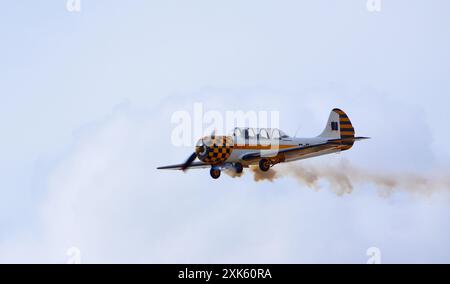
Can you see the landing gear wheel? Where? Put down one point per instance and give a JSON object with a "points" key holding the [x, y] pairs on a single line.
{"points": [[215, 173], [264, 165], [238, 168]]}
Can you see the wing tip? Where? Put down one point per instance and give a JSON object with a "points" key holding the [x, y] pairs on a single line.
{"points": [[169, 167]]}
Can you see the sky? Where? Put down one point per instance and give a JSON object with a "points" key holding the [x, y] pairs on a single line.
{"points": [[86, 100]]}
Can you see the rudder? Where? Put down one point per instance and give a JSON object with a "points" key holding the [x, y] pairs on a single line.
{"points": [[339, 126], [346, 130]]}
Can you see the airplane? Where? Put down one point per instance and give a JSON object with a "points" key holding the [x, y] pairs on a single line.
{"points": [[266, 147]]}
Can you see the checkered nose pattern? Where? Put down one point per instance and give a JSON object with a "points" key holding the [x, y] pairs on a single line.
{"points": [[215, 150]]}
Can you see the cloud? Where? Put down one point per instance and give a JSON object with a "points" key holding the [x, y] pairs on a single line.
{"points": [[105, 197]]}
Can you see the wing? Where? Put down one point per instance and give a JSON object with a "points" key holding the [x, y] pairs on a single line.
{"points": [[298, 151], [194, 165]]}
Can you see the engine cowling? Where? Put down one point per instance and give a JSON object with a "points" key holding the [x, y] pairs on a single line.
{"points": [[214, 149]]}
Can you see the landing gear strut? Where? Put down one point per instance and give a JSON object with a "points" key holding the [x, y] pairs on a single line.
{"points": [[264, 165], [215, 173], [238, 168]]}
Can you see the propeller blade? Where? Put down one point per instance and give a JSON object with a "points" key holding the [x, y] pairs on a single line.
{"points": [[189, 161]]}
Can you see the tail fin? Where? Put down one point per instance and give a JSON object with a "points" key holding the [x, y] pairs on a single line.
{"points": [[339, 126]]}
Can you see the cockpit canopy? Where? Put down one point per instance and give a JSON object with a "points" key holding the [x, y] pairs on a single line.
{"points": [[258, 133]]}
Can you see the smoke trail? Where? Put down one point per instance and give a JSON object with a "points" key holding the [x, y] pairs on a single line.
{"points": [[232, 173], [343, 177], [259, 175]]}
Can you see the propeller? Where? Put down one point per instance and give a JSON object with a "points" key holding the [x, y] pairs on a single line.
{"points": [[194, 155], [189, 161]]}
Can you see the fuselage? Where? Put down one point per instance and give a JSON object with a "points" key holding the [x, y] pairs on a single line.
{"points": [[232, 149], [271, 146]]}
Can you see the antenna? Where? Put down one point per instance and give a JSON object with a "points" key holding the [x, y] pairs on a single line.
{"points": [[296, 131]]}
